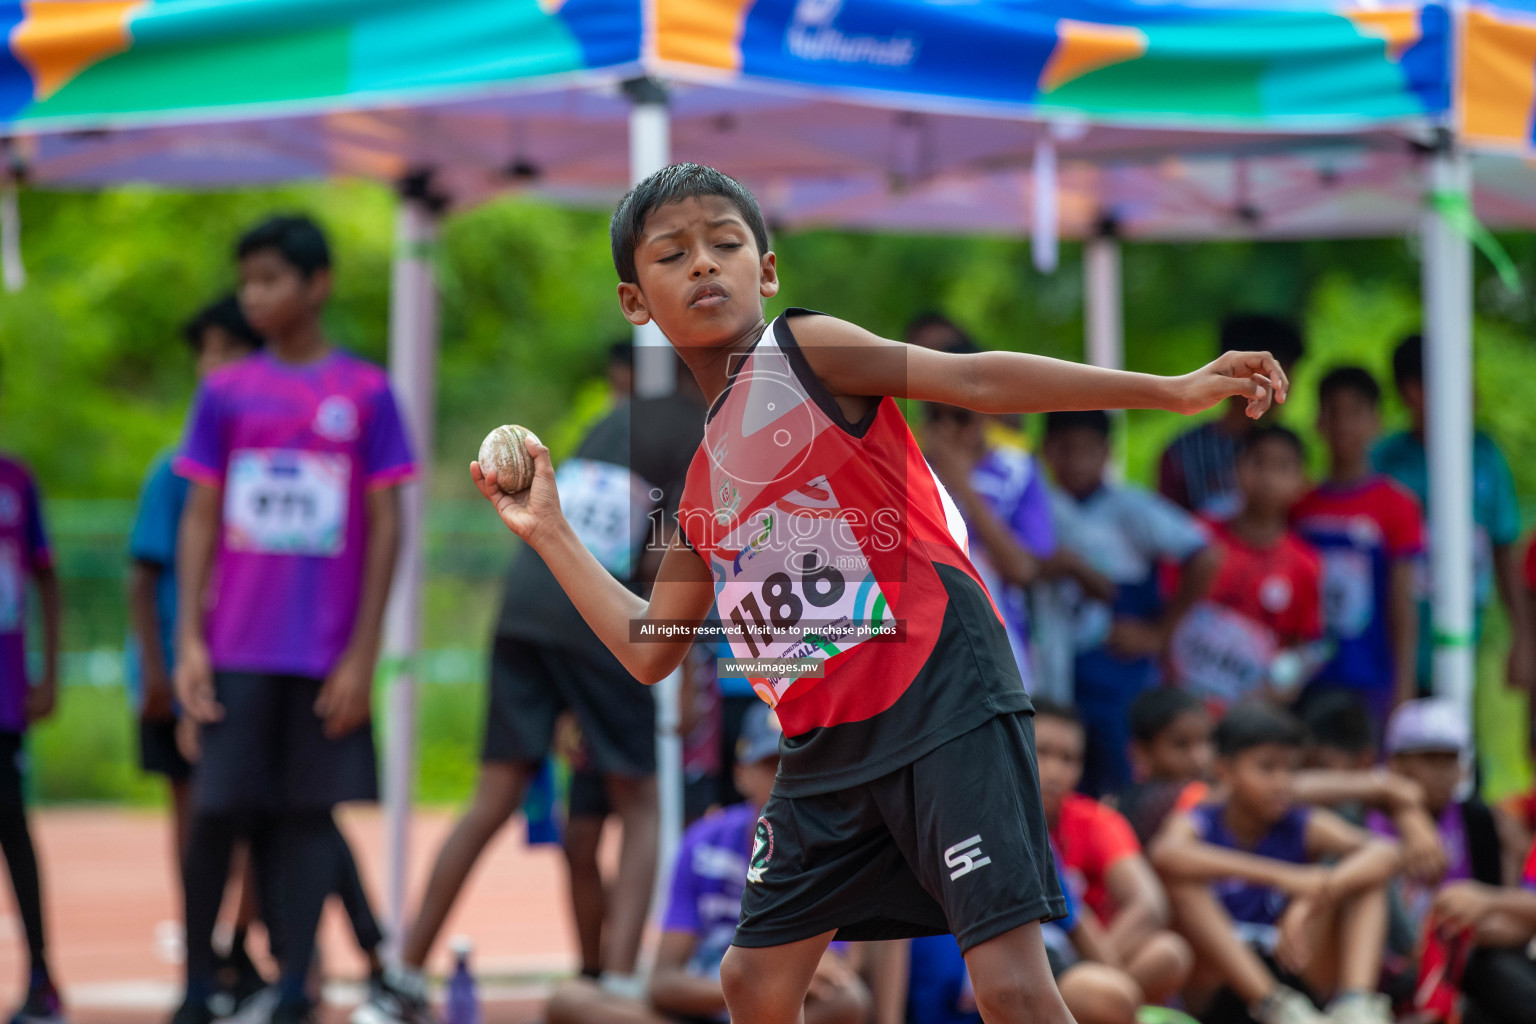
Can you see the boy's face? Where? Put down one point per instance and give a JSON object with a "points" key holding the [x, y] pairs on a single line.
{"points": [[1348, 423], [217, 347], [1059, 753], [1077, 457], [275, 296], [1271, 477], [1438, 773], [1180, 753], [1262, 779], [699, 274], [755, 780]]}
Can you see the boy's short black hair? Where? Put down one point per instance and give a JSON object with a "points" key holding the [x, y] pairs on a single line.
{"points": [[223, 313], [1408, 361], [1157, 709], [1254, 724], [1046, 708], [1339, 721], [1256, 332], [1096, 420], [673, 184], [1349, 378], [295, 237], [1271, 433]]}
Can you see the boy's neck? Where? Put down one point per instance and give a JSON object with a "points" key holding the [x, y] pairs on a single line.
{"points": [[712, 366], [1247, 828], [302, 344], [1349, 469], [1258, 528]]}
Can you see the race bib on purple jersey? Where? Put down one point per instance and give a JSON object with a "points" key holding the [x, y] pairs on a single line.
{"points": [[286, 502]]}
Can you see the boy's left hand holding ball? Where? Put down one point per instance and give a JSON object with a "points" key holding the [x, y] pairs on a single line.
{"points": [[537, 502]]}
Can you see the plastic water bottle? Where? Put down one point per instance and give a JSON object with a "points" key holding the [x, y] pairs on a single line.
{"points": [[463, 1001]]}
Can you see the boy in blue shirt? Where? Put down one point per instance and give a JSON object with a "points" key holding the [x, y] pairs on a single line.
{"points": [[1252, 892], [1495, 519], [218, 334], [1118, 539]]}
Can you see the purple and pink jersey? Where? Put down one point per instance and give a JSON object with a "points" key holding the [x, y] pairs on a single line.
{"points": [[23, 551], [295, 451]]}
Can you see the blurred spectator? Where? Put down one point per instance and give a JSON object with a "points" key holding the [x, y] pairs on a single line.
{"points": [[1254, 634], [1171, 757], [1001, 496], [1254, 896], [218, 334], [1198, 470], [939, 332], [1340, 733], [1370, 532], [1495, 519], [1102, 861], [713, 867], [26, 560], [1103, 612], [1429, 743]]}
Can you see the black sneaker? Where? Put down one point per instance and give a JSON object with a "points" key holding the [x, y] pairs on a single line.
{"points": [[240, 983], [193, 1011], [391, 1002]]}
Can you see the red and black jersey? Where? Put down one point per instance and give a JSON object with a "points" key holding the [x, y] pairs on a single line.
{"points": [[833, 540]]}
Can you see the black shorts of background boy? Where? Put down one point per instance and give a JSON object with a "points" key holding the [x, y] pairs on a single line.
{"points": [[1247, 867]]}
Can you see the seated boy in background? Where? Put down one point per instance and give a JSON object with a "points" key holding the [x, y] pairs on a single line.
{"points": [[1429, 742], [1101, 859], [1369, 531], [1171, 755], [1500, 922], [1252, 634], [718, 857], [1249, 891], [1116, 615]]}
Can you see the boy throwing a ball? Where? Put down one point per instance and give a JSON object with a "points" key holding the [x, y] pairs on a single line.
{"points": [[906, 801]]}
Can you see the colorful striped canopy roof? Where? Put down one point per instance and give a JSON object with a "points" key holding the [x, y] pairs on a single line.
{"points": [[1193, 118], [115, 62]]}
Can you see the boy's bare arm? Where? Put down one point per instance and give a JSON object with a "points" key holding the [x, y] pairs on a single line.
{"points": [[851, 361], [1424, 858], [195, 539], [1362, 859], [676, 992], [1180, 854], [683, 593], [1404, 623], [1142, 903]]}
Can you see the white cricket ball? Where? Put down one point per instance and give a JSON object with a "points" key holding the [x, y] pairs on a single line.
{"points": [[505, 451]]}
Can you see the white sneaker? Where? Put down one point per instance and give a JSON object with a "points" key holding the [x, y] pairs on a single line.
{"points": [[1287, 1006], [399, 998], [1360, 1008]]}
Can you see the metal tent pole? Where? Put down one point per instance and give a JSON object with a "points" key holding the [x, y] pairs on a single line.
{"points": [[650, 145], [1104, 317], [413, 345], [1447, 285]]}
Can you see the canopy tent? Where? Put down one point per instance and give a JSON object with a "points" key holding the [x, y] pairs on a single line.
{"points": [[1168, 120]]}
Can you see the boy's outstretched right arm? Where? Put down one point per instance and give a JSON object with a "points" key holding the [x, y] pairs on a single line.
{"points": [[681, 597]]}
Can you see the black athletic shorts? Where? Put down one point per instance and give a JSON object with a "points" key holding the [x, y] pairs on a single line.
{"points": [[270, 753], [158, 753], [954, 842], [531, 684]]}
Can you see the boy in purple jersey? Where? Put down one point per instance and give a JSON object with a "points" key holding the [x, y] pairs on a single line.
{"points": [[713, 866], [287, 548], [1252, 892], [24, 557]]}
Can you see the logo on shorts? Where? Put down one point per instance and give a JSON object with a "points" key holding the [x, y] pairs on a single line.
{"points": [[762, 850], [965, 857], [336, 419]]}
